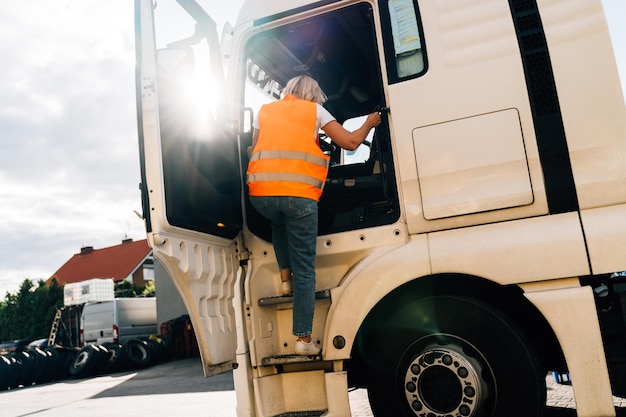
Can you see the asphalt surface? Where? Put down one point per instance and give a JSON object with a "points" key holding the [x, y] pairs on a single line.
{"points": [[178, 388]]}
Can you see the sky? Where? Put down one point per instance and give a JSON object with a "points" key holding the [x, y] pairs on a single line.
{"points": [[69, 164]]}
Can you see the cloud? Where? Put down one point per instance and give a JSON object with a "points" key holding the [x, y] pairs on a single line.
{"points": [[69, 163], [69, 168]]}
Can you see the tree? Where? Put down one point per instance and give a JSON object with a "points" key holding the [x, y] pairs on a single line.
{"points": [[126, 289], [28, 313]]}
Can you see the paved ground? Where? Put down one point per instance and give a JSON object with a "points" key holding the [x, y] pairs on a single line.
{"points": [[178, 388], [170, 389]]}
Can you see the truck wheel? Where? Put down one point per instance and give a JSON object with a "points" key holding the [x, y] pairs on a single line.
{"points": [[114, 356], [54, 363], [85, 363], [40, 367], [66, 358], [26, 368], [136, 353], [451, 356], [158, 348], [17, 368], [8, 375], [102, 359]]}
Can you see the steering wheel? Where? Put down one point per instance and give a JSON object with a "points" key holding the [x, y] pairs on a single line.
{"points": [[327, 145]]}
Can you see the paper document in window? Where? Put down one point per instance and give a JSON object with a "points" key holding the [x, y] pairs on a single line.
{"points": [[406, 37]]}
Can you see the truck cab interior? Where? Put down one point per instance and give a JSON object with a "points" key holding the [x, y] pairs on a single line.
{"points": [[339, 50]]}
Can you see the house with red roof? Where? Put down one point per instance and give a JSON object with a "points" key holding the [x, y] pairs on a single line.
{"points": [[129, 261]]}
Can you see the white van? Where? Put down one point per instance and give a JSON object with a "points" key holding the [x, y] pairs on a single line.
{"points": [[118, 320]]}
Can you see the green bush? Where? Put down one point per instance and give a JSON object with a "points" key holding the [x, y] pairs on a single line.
{"points": [[28, 313]]}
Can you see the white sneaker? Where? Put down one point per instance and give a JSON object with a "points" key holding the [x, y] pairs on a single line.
{"points": [[307, 349]]}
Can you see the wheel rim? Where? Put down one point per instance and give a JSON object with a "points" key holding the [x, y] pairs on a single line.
{"points": [[444, 378], [138, 351], [81, 359]]}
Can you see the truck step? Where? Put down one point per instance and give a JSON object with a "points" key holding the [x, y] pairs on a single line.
{"points": [[289, 359], [285, 299]]}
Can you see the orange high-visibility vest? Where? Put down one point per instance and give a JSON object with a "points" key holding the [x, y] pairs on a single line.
{"points": [[286, 160]]}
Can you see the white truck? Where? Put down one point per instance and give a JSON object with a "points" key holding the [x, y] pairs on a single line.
{"points": [[118, 320], [470, 247]]}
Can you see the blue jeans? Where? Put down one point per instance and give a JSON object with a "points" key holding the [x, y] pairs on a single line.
{"points": [[294, 236]]}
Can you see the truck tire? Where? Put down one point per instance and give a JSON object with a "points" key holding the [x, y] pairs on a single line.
{"points": [[40, 366], [114, 357], [66, 358], [8, 373], [451, 356], [55, 363], [136, 354], [26, 368], [102, 357], [86, 362], [17, 367], [158, 348]]}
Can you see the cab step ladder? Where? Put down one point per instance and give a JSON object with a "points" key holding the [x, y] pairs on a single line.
{"points": [[289, 359]]}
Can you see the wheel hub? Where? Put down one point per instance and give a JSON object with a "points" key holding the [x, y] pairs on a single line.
{"points": [[442, 382]]}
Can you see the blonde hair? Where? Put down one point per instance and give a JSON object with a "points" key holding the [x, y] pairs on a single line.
{"points": [[305, 88]]}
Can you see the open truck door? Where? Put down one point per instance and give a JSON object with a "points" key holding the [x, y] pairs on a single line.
{"points": [[190, 176]]}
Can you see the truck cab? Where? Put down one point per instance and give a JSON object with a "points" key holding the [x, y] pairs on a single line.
{"points": [[463, 249]]}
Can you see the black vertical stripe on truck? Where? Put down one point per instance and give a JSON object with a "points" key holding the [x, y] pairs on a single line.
{"points": [[545, 108]]}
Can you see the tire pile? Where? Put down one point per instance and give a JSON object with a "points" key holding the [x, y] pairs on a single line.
{"points": [[54, 363]]}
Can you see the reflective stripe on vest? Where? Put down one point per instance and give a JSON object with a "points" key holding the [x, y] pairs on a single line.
{"points": [[303, 156], [287, 177], [286, 160]]}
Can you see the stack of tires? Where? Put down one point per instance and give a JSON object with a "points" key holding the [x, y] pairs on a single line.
{"points": [[36, 366], [114, 357]]}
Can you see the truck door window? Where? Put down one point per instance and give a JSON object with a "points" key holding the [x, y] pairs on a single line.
{"points": [[360, 154], [403, 39], [339, 50], [199, 154]]}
